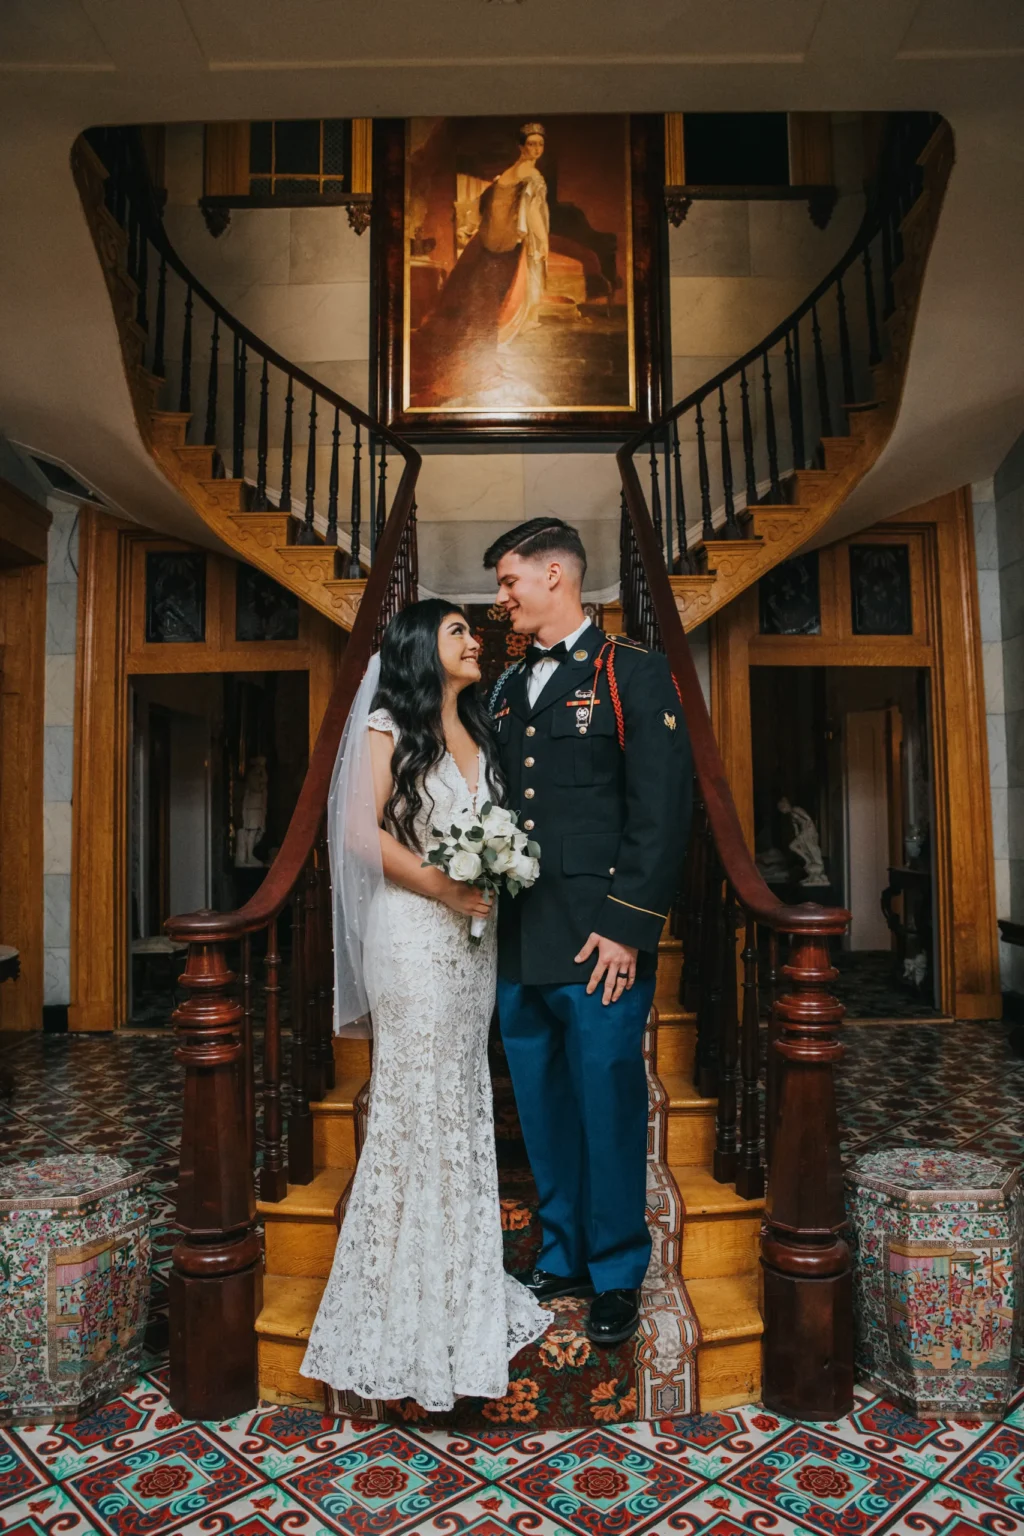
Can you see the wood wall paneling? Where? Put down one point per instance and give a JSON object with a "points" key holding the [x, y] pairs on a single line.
{"points": [[112, 648], [226, 160], [946, 640], [22, 694]]}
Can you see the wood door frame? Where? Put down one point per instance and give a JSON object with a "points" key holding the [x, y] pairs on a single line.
{"points": [[111, 649], [946, 642]]}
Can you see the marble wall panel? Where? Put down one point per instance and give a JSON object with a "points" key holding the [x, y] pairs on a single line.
{"points": [[56, 838], [579, 487], [59, 708], [784, 243], [58, 761], [712, 241], [471, 487], [725, 316], [324, 248], [56, 977], [56, 911], [61, 614], [255, 248], [62, 550]]}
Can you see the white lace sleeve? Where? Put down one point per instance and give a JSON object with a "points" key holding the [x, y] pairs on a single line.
{"points": [[380, 720]]}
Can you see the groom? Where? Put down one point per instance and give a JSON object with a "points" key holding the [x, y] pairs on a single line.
{"points": [[596, 755]]}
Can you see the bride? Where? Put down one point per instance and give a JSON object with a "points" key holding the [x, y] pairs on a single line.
{"points": [[418, 1304]]}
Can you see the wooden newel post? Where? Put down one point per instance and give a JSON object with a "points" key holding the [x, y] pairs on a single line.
{"points": [[216, 1274], [808, 1306]]}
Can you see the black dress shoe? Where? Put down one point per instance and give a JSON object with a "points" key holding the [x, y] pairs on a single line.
{"points": [[614, 1317], [546, 1286]]}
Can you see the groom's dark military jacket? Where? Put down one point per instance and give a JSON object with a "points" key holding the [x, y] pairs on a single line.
{"points": [[612, 821]]}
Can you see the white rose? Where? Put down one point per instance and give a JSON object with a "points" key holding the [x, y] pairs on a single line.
{"points": [[504, 860], [498, 823], [525, 869], [465, 865]]}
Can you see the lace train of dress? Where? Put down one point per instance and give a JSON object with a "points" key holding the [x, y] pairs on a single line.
{"points": [[418, 1304]]}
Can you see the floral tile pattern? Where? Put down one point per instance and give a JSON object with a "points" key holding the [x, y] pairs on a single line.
{"points": [[133, 1466]]}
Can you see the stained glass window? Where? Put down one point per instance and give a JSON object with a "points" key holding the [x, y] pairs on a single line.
{"points": [[175, 598], [790, 598], [263, 609], [880, 589]]}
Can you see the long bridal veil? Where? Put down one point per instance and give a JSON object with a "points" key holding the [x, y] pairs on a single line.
{"points": [[357, 874]]}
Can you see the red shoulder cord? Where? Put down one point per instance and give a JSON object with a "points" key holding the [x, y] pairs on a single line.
{"points": [[613, 689]]}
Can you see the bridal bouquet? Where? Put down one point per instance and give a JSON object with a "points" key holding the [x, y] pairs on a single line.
{"points": [[486, 849]]}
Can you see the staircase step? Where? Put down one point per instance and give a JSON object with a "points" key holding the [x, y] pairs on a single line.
{"points": [[167, 428], [675, 1043], [691, 1122], [729, 1358], [268, 529], [316, 562], [334, 1124], [722, 1230], [810, 486], [301, 1231], [197, 459], [226, 495], [282, 1329], [840, 452], [670, 970], [345, 593]]}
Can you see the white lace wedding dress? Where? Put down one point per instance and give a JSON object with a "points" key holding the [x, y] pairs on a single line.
{"points": [[418, 1304]]}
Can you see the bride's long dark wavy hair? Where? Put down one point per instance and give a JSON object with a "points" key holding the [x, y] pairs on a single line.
{"points": [[411, 689]]}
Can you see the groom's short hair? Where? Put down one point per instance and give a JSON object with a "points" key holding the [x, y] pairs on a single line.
{"points": [[540, 536]]}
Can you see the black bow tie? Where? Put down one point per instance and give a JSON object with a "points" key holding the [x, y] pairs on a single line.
{"points": [[535, 653]]}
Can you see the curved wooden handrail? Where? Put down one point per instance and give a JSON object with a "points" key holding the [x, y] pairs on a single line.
{"points": [[742, 873], [866, 231], [303, 827], [154, 228]]}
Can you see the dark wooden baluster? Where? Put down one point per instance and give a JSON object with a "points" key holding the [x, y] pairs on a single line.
{"points": [[326, 950], [724, 1163], [666, 471], [142, 279], [354, 569], [749, 1172], [874, 345], [216, 1265], [888, 297], [845, 353], [656, 516], [307, 533], [212, 385], [749, 471], [707, 526], [284, 503], [300, 1121], [160, 326], [331, 536], [248, 1057], [820, 377], [185, 392], [685, 559], [710, 991], [382, 496], [808, 1303], [775, 492], [773, 1062], [732, 528], [131, 255], [238, 409], [694, 896], [260, 502], [311, 969], [794, 392], [273, 1174]]}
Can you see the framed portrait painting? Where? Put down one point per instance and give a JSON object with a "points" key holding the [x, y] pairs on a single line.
{"points": [[518, 269]]}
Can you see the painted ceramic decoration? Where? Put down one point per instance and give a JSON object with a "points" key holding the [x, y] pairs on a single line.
{"points": [[938, 1239], [74, 1297]]}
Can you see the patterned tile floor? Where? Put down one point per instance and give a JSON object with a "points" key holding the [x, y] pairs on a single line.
{"points": [[134, 1467]]}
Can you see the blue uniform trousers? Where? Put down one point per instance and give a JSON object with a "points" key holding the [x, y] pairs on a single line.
{"points": [[581, 1090]]}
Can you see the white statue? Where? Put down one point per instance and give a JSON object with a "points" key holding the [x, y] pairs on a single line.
{"points": [[805, 843], [254, 815]]}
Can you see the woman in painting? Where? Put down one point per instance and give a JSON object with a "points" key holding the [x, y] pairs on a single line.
{"points": [[495, 287]]}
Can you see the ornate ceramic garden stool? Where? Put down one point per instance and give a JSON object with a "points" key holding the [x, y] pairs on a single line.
{"points": [[938, 1241], [74, 1284]]}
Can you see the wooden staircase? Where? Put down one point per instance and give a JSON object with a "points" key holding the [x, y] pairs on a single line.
{"points": [[720, 1242], [724, 566], [293, 550]]}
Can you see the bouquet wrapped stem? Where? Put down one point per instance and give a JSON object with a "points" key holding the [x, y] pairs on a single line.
{"points": [[486, 849]]}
